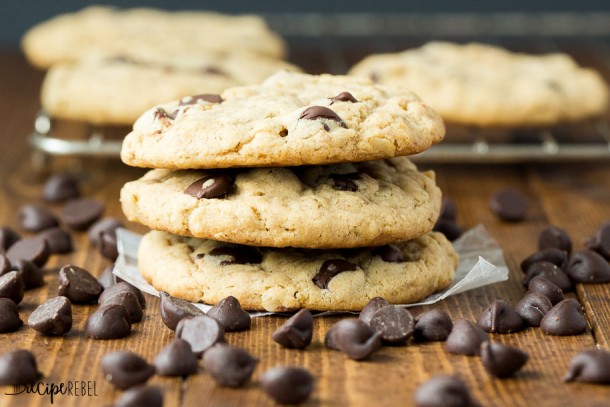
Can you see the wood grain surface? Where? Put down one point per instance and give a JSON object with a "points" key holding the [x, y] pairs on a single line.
{"points": [[573, 196]]}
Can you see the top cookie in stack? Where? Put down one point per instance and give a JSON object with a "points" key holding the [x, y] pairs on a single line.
{"points": [[257, 191]]}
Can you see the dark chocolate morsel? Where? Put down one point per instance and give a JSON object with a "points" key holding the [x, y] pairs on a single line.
{"points": [[500, 360], [230, 314], [509, 204], [108, 322], [125, 369], [287, 384], [229, 365], [500, 317], [433, 325], [329, 269], [343, 97], [18, 367], [449, 228], [128, 300], [389, 253], [35, 218], [122, 286], [296, 332], [565, 318], [5, 265], [237, 255], [201, 332], [31, 274], [371, 308], [9, 316], [198, 99], [395, 324], [78, 285], [321, 112], [549, 271], [590, 366], [31, 249], [546, 287], [53, 317], [345, 182], [107, 278], [8, 237], [443, 391], [81, 213], [211, 186], [11, 286], [108, 246], [104, 225], [59, 188], [174, 309], [556, 237], [161, 113], [533, 307], [58, 240], [588, 267], [354, 338], [465, 338], [600, 242], [554, 255], [176, 359], [139, 396]]}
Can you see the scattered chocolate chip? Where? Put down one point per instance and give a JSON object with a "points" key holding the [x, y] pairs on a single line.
{"points": [[600, 242], [211, 186], [500, 360], [128, 300], [8, 237], [296, 332], [545, 287], [104, 225], [443, 391], [53, 317], [565, 318], [78, 285], [433, 325], [449, 228], [465, 338], [237, 255], [389, 253], [554, 255], [329, 269], [34, 218], [31, 274], [11, 286], [31, 249], [125, 369], [5, 265], [345, 182], [395, 324], [509, 204], [588, 267], [228, 365], [590, 366], [201, 332], [108, 246], [556, 237], [107, 278], [176, 359], [321, 112], [161, 113], [533, 307], [58, 240], [371, 308], [174, 309], [200, 99], [549, 271], [138, 396], [108, 322], [448, 209], [343, 97], [18, 367], [9, 316], [231, 316], [500, 317], [354, 338], [122, 286], [287, 384], [59, 188], [81, 213]]}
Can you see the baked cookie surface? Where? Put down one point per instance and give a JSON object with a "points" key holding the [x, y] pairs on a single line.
{"points": [[343, 205], [290, 279], [290, 119], [486, 86]]}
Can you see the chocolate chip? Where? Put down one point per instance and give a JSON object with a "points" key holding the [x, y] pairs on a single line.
{"points": [[549, 271], [160, 113], [81, 213], [11, 286], [448, 209], [465, 338], [125, 369], [108, 246], [371, 308], [588, 267], [201, 332], [30, 249], [552, 255], [5, 265], [18, 367], [500, 317], [122, 286], [58, 240], [500, 360], [237, 255], [107, 278], [128, 300], [345, 182], [343, 97], [211, 186], [321, 112], [214, 71], [389, 253], [104, 225], [556, 237], [590, 366], [53, 317], [329, 269], [449, 228], [176, 359], [296, 332], [600, 242], [8, 237], [31, 274], [108, 322], [395, 324], [287, 384], [228, 365], [139, 396], [545, 287], [509, 205], [174, 309], [9, 316], [78, 285], [200, 99], [433, 325], [565, 318], [443, 391], [35, 218], [60, 187], [533, 307], [354, 338], [231, 316]]}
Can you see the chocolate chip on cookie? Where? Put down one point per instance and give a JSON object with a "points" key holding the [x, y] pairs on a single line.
{"points": [[329, 269], [237, 255], [321, 112], [161, 113], [344, 97], [345, 182], [200, 99], [211, 186], [390, 254]]}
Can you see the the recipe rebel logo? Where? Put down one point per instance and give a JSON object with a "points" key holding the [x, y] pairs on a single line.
{"points": [[74, 388]]}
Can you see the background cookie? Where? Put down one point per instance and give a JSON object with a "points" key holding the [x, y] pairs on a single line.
{"points": [[291, 119], [343, 205], [290, 279], [483, 85]]}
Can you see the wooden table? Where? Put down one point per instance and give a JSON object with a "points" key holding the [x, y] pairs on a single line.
{"points": [[575, 197]]}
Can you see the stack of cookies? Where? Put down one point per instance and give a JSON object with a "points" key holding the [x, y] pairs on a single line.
{"points": [[289, 194]]}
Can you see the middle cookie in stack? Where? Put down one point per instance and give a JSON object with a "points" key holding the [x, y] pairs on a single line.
{"points": [[329, 232]]}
